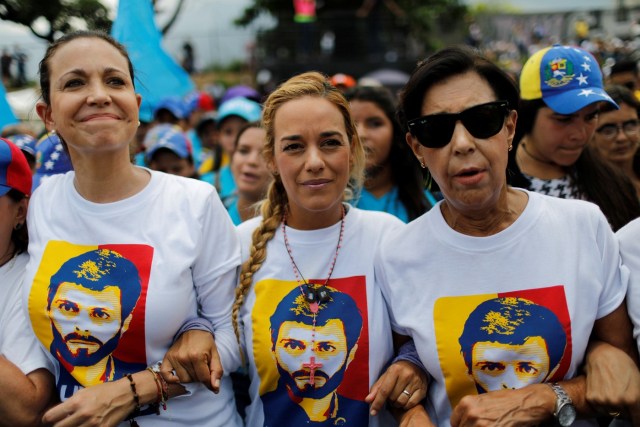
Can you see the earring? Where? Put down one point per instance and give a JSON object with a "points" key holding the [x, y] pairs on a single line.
{"points": [[18, 226], [52, 131], [510, 147], [138, 122], [422, 165]]}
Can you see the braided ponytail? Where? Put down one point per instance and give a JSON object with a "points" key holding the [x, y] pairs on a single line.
{"points": [[271, 210]]}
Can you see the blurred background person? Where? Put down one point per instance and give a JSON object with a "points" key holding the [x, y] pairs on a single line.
{"points": [[393, 179], [232, 116], [618, 133], [27, 144], [625, 72], [51, 159], [250, 173], [167, 150]]}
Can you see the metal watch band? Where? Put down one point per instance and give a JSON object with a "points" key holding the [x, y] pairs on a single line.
{"points": [[562, 397]]}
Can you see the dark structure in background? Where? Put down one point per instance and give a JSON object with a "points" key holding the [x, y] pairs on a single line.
{"points": [[349, 39]]}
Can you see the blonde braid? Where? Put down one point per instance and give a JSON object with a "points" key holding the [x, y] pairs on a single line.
{"points": [[272, 210]]}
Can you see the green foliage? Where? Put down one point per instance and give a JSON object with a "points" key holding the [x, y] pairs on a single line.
{"points": [[64, 16]]}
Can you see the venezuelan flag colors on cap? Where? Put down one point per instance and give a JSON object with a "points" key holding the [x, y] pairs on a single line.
{"points": [[566, 78], [15, 172]]}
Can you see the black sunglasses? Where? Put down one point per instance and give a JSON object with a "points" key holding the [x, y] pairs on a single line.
{"points": [[482, 121]]}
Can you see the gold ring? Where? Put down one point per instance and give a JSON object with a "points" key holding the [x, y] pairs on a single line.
{"points": [[406, 392]]}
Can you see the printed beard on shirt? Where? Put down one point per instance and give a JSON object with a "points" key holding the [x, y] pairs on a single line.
{"points": [[310, 391], [82, 357]]}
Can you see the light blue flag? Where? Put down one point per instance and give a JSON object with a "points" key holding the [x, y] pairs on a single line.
{"points": [[7, 116], [157, 75]]}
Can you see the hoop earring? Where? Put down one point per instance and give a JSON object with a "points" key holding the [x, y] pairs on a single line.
{"points": [[428, 179]]}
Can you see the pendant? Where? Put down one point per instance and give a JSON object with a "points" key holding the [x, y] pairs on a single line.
{"points": [[322, 294], [310, 294], [314, 306]]}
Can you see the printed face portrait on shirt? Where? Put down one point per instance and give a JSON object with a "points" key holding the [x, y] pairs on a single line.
{"points": [[334, 345], [295, 347], [509, 343], [90, 300]]}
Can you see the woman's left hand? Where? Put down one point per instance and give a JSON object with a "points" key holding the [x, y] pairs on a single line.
{"points": [[403, 384], [105, 405], [193, 357], [528, 406], [613, 381]]}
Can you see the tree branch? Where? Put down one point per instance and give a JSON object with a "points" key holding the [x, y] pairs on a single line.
{"points": [[176, 12]]}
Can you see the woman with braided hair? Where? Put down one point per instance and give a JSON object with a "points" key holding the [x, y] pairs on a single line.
{"points": [[308, 312]]}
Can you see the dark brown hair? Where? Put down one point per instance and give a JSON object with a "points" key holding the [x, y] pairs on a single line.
{"points": [[44, 67], [19, 236]]}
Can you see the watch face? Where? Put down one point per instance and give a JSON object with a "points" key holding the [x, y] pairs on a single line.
{"points": [[566, 415]]}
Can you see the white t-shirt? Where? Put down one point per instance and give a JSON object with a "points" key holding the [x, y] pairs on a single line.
{"points": [[516, 307], [17, 340], [168, 252], [629, 238], [356, 318]]}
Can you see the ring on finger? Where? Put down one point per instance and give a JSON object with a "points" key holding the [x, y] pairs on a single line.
{"points": [[405, 391]]}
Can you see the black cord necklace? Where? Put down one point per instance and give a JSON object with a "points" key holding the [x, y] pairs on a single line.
{"points": [[537, 159]]}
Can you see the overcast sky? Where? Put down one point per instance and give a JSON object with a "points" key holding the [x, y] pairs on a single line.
{"points": [[208, 24]]}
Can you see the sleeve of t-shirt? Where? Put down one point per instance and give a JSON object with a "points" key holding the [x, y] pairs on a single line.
{"points": [[629, 239], [215, 273], [18, 342], [614, 278], [382, 280]]}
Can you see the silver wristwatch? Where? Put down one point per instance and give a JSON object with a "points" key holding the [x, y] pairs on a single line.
{"points": [[564, 411]]}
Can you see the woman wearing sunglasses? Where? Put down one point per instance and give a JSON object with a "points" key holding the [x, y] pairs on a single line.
{"points": [[561, 94], [500, 288], [618, 134]]}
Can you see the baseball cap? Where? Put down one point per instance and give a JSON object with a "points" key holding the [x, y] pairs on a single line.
{"points": [[172, 104], [25, 142], [15, 172], [166, 136], [566, 78], [51, 159], [199, 100], [241, 107], [341, 79], [241, 91]]}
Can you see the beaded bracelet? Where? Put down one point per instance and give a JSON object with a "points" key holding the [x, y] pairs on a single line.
{"points": [[165, 387], [136, 399], [160, 400]]}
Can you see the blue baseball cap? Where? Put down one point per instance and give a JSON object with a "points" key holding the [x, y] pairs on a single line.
{"points": [[244, 108], [51, 159], [174, 105], [15, 172], [170, 137], [566, 78], [25, 142]]}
